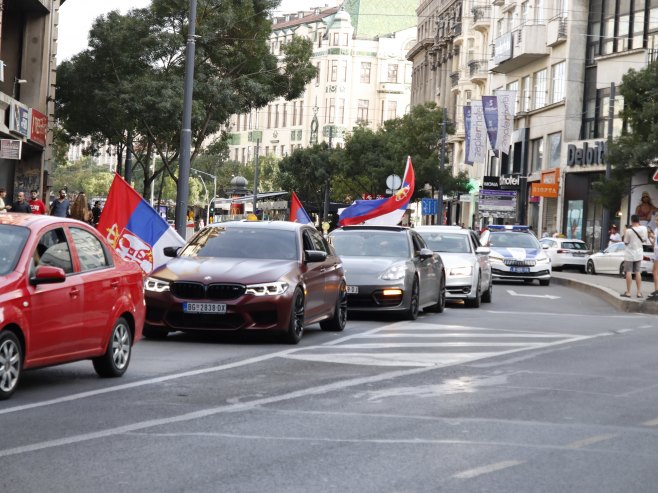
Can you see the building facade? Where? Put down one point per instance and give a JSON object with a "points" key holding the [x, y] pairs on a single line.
{"points": [[27, 88], [363, 79]]}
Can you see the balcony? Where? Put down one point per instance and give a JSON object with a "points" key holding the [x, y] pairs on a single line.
{"points": [[478, 71], [556, 31], [481, 18], [518, 48]]}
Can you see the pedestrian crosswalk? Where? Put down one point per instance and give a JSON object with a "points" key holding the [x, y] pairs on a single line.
{"points": [[418, 344]]}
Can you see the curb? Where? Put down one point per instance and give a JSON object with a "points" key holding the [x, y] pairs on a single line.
{"points": [[610, 296]]}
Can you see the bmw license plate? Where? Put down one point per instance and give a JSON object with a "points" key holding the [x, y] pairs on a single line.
{"points": [[520, 270], [353, 289], [218, 308]]}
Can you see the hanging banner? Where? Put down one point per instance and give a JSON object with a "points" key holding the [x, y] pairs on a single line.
{"points": [[506, 101], [490, 104], [19, 118], [478, 144], [467, 130], [38, 127]]}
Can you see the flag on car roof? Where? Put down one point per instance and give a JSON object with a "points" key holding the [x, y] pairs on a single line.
{"points": [[382, 212], [135, 230], [297, 212]]}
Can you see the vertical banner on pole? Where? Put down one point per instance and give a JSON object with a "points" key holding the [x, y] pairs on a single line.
{"points": [[467, 131], [478, 143], [490, 104], [505, 120]]}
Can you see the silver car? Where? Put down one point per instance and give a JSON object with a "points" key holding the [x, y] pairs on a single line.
{"points": [[389, 268], [466, 263]]}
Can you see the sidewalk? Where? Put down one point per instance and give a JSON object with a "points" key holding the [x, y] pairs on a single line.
{"points": [[609, 288]]}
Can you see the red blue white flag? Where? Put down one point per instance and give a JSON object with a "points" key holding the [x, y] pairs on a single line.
{"points": [[297, 212], [382, 212], [135, 230]]}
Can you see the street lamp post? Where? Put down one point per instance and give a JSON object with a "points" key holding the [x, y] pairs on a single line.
{"points": [[214, 180]]}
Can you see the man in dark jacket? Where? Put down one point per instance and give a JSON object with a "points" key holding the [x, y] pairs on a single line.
{"points": [[21, 204]]}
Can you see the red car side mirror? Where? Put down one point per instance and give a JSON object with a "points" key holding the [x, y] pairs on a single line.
{"points": [[47, 274]]}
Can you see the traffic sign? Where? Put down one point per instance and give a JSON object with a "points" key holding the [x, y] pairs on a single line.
{"points": [[655, 176]]}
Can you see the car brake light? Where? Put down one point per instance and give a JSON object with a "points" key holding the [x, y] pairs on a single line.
{"points": [[646, 258], [562, 251]]}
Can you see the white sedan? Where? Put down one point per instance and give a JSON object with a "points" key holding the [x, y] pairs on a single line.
{"points": [[565, 252], [611, 260]]}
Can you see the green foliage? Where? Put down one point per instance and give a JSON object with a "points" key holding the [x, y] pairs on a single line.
{"points": [[131, 77], [609, 193], [82, 176], [638, 147]]}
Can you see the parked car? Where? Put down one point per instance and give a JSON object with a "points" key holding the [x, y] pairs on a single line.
{"points": [[390, 268], [467, 265], [565, 252], [516, 254], [611, 260], [247, 275], [65, 296]]}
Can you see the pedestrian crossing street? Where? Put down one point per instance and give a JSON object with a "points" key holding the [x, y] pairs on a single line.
{"points": [[419, 344]]}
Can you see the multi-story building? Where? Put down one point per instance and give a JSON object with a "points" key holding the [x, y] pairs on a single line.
{"points": [[363, 78], [28, 37]]}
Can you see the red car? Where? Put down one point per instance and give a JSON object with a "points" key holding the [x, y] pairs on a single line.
{"points": [[64, 296], [278, 276]]}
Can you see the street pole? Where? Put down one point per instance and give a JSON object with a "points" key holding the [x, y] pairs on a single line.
{"points": [[153, 182], [325, 212], [605, 223], [256, 177], [183, 187], [442, 157], [129, 159]]}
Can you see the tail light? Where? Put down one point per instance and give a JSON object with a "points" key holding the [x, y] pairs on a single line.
{"points": [[562, 251], [646, 258]]}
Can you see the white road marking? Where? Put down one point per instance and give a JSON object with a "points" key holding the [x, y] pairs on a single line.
{"points": [[591, 440], [570, 315], [653, 422], [524, 335], [546, 296], [479, 471]]}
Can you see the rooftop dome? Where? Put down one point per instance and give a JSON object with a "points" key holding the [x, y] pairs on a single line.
{"points": [[239, 182]]}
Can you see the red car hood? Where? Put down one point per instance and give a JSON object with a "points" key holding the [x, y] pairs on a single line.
{"points": [[208, 270]]}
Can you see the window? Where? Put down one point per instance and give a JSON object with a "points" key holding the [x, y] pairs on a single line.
{"points": [[539, 12], [332, 110], [91, 253], [269, 116], [392, 107], [539, 89], [524, 13], [53, 250], [341, 111], [537, 154], [525, 93], [317, 77], [294, 113], [514, 86], [301, 112], [276, 116], [342, 73], [362, 112], [285, 115], [558, 83], [365, 72], [334, 70], [554, 149], [392, 73]]}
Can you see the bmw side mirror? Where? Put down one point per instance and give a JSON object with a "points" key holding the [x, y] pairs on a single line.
{"points": [[315, 256], [425, 253], [171, 251], [483, 250]]}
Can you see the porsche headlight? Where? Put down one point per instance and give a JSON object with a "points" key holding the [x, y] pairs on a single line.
{"points": [[463, 270], [394, 272], [267, 289], [155, 285]]}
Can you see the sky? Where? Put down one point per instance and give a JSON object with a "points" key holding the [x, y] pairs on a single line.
{"points": [[77, 16]]}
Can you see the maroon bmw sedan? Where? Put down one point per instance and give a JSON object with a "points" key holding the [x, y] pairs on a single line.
{"points": [[65, 296], [247, 275]]}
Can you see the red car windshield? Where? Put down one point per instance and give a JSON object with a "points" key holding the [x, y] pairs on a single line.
{"points": [[12, 244], [243, 242]]}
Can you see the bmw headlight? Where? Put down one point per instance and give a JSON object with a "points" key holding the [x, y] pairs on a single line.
{"points": [[495, 257], [463, 270], [394, 272], [542, 259], [155, 285], [267, 289]]}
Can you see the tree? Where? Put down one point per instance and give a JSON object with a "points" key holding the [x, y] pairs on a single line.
{"points": [[131, 77]]}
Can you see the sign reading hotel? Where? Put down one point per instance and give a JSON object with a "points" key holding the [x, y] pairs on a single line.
{"points": [[10, 149], [38, 127]]}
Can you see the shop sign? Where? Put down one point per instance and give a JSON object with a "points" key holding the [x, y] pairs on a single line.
{"points": [[465, 197], [497, 201], [19, 118], [38, 127], [510, 181], [549, 185], [491, 183], [588, 154], [10, 149]]}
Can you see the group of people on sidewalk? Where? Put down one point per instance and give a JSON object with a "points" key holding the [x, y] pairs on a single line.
{"points": [[59, 207], [635, 237]]}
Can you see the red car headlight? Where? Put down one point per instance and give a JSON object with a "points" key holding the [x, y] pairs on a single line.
{"points": [[267, 289]]}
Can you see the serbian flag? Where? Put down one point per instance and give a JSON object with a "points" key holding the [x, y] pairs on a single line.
{"points": [[297, 212], [135, 230], [382, 212]]}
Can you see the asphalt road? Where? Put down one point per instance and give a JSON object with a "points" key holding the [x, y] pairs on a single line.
{"points": [[545, 390]]}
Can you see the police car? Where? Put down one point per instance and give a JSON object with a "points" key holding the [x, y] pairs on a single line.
{"points": [[516, 254]]}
